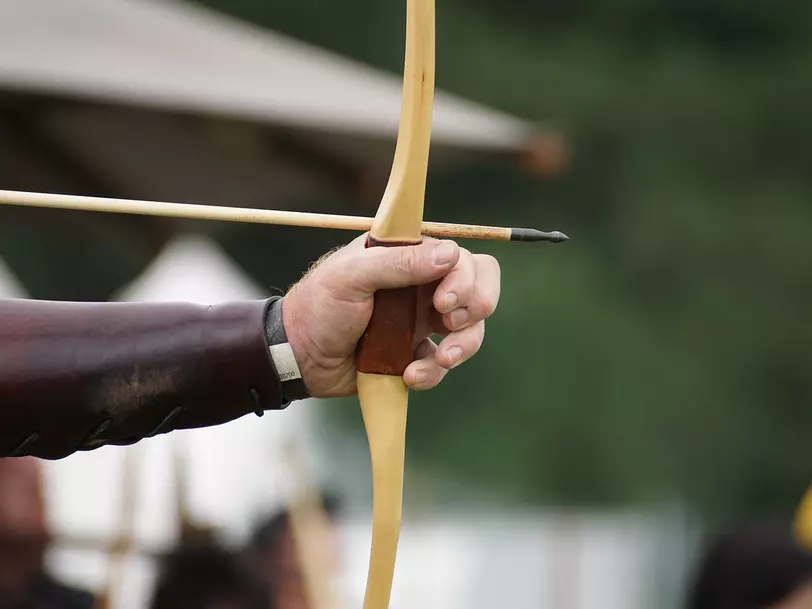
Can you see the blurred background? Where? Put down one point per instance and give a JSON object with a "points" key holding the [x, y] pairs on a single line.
{"points": [[640, 386]]}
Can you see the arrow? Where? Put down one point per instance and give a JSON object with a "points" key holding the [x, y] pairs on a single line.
{"points": [[263, 216]]}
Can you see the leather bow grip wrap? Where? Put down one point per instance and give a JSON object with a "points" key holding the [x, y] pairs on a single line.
{"points": [[387, 346]]}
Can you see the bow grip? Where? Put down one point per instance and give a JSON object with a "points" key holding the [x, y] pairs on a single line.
{"points": [[387, 345]]}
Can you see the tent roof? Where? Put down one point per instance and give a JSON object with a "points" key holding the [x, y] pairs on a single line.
{"points": [[166, 100], [178, 56]]}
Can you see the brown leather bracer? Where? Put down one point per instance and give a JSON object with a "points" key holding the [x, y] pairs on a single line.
{"points": [[76, 376]]}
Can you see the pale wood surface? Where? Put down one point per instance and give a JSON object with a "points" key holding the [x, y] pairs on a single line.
{"points": [[191, 211], [384, 404], [384, 399]]}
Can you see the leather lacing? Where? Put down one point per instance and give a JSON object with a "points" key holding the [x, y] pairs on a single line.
{"points": [[258, 409], [165, 422], [19, 451], [94, 440], [90, 441]]}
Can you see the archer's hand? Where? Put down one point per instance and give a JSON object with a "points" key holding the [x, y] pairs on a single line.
{"points": [[326, 313]]}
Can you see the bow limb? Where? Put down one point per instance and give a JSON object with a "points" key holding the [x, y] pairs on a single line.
{"points": [[803, 521], [387, 346]]}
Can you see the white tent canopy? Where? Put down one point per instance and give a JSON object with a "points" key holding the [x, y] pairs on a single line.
{"points": [[10, 286], [175, 55]]}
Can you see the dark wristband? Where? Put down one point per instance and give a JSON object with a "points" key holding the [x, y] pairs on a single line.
{"points": [[293, 387]]}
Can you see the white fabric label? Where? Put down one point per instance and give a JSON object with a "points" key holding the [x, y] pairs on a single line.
{"points": [[285, 362]]}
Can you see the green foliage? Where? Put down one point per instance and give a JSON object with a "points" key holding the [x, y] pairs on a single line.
{"points": [[665, 351]]}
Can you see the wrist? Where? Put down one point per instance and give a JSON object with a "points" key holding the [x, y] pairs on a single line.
{"points": [[285, 353]]}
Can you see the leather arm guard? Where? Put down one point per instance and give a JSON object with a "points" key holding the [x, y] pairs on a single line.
{"points": [[77, 376]]}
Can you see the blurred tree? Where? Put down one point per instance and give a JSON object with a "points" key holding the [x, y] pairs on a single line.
{"points": [[665, 351]]}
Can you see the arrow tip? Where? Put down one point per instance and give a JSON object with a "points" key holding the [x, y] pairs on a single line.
{"points": [[533, 235]]}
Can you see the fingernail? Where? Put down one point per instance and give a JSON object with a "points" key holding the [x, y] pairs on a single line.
{"points": [[459, 317], [455, 355], [443, 253], [420, 377], [450, 301]]}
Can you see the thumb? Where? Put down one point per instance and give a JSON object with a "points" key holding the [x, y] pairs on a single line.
{"points": [[380, 268]]}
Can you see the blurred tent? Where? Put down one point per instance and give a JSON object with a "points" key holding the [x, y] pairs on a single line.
{"points": [[179, 479], [10, 286], [524, 560], [161, 99]]}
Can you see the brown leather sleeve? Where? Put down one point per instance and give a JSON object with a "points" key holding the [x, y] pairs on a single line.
{"points": [[76, 376]]}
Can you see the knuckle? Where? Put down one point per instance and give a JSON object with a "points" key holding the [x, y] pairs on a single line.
{"points": [[471, 341], [482, 308], [433, 376], [488, 306], [437, 372], [464, 292], [405, 261], [492, 265], [489, 261]]}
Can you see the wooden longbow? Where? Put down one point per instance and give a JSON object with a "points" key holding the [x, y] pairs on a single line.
{"points": [[803, 521], [387, 348]]}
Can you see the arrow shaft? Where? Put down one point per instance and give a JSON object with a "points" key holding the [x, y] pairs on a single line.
{"points": [[190, 211]]}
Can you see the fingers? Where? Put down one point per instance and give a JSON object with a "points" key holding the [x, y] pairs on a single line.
{"points": [[470, 293], [433, 362], [465, 298], [457, 288], [424, 373], [460, 346], [378, 268]]}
